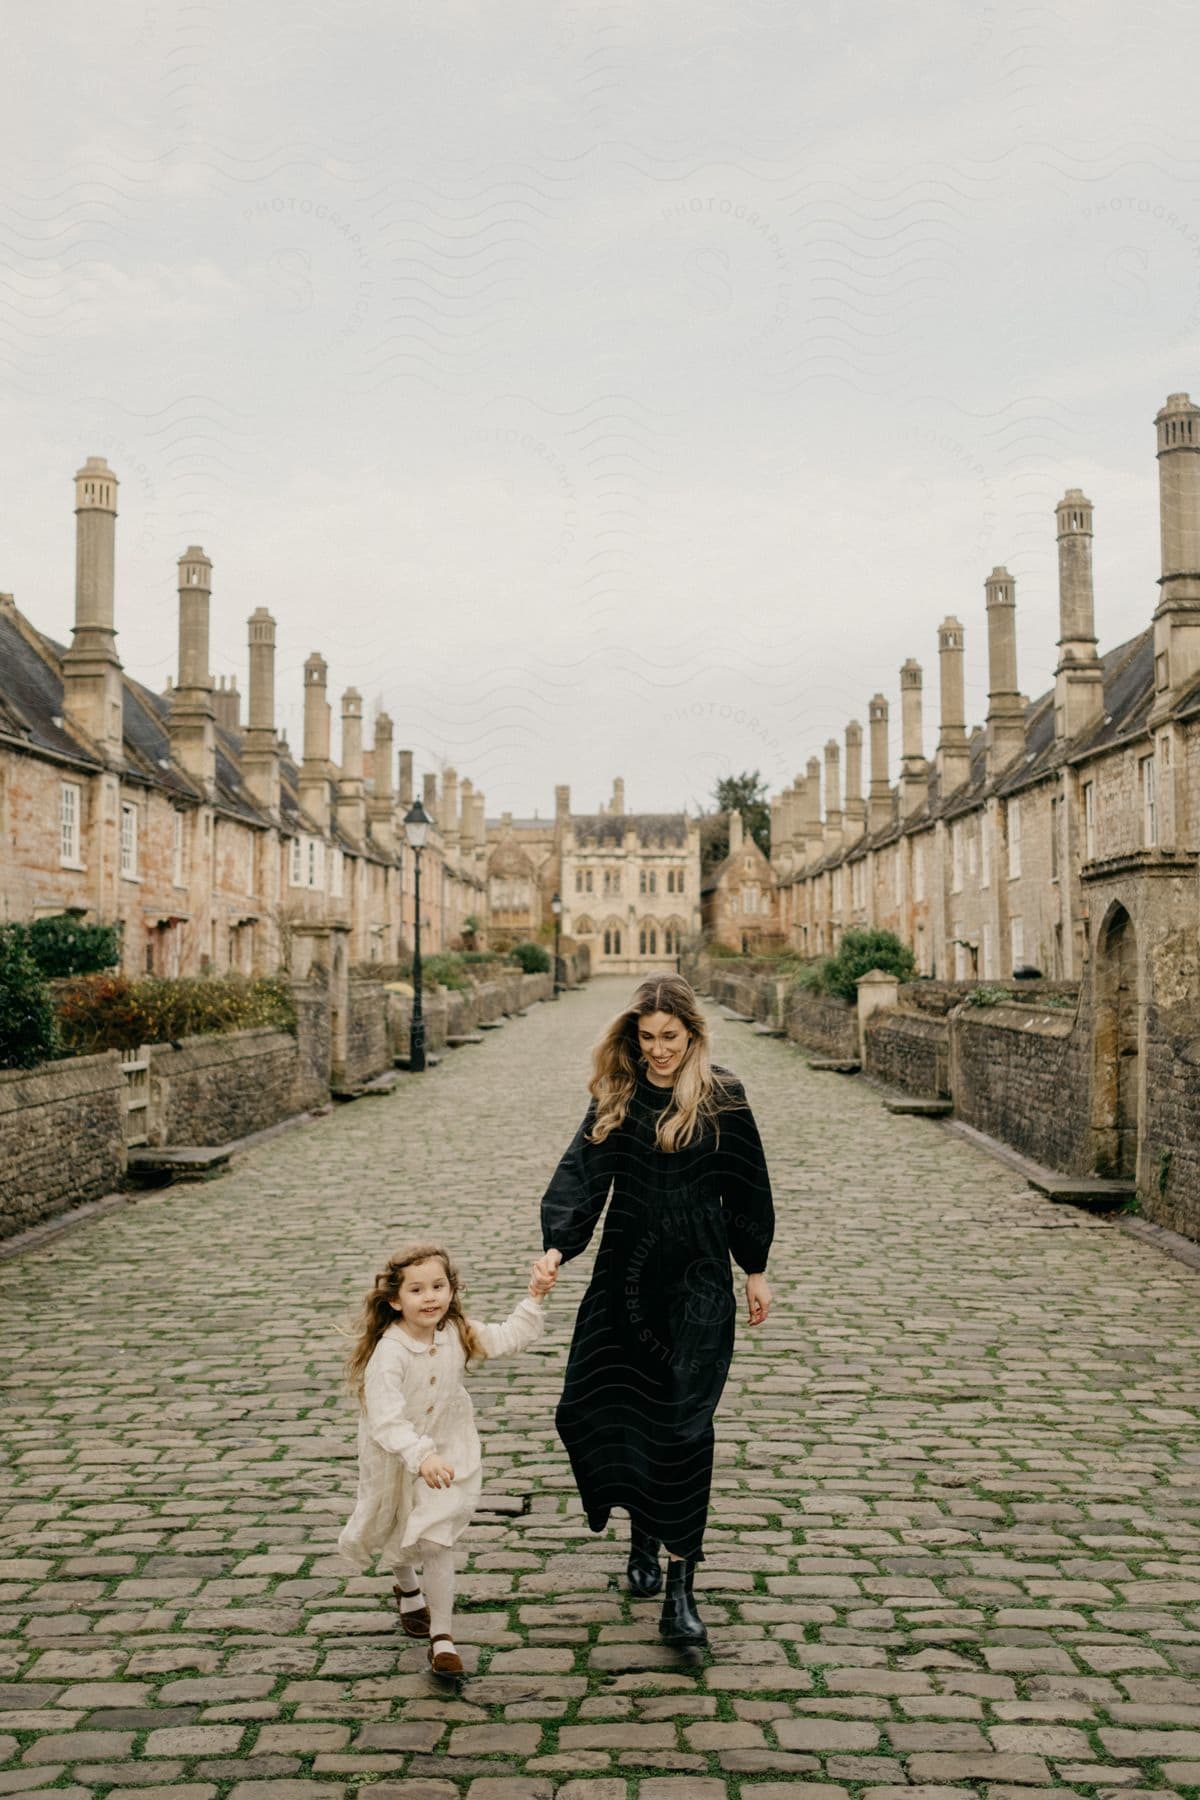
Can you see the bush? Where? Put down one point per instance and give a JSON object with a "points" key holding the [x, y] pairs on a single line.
{"points": [[446, 969], [532, 958], [110, 1012], [28, 1032], [860, 951], [64, 945], [810, 977]]}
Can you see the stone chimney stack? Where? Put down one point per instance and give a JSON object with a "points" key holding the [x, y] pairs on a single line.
{"points": [[260, 755], [314, 769], [227, 705], [914, 770], [92, 690], [833, 795], [192, 721], [618, 798], [1079, 677], [479, 813], [814, 831], [351, 789], [450, 806], [381, 807], [855, 817], [466, 814], [562, 805], [1006, 710], [953, 751], [429, 797], [404, 780], [1177, 615], [737, 832], [879, 800]]}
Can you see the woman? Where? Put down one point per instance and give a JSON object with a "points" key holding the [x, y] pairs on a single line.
{"points": [[675, 1140]]}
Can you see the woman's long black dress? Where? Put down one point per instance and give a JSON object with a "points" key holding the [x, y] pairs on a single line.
{"points": [[654, 1336]]}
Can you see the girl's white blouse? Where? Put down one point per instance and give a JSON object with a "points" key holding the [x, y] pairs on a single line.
{"points": [[415, 1405]]}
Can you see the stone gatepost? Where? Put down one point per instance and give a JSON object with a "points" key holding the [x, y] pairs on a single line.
{"points": [[876, 990]]}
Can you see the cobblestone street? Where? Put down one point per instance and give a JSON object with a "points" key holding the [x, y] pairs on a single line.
{"points": [[955, 1540]]}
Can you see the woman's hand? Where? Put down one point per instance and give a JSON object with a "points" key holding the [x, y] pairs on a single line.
{"points": [[758, 1298], [435, 1473], [545, 1271]]}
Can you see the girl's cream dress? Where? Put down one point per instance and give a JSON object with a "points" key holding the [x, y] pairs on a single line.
{"points": [[415, 1405]]}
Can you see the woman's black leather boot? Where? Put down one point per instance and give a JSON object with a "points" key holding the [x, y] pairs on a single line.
{"points": [[680, 1622], [643, 1570]]}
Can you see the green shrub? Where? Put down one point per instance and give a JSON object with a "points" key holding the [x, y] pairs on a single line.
{"points": [[110, 1012], [984, 995], [28, 1032], [810, 977], [446, 969], [64, 945], [532, 958], [860, 951]]}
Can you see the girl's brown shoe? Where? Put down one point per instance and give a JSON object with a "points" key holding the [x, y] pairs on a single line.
{"points": [[415, 1623], [445, 1662]]}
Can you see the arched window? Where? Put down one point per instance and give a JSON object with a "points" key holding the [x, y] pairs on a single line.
{"points": [[584, 927]]}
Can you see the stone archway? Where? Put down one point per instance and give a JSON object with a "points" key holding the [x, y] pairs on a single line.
{"points": [[1116, 1048]]}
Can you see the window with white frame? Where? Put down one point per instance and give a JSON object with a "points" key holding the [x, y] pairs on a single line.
{"points": [[1149, 802], [178, 827], [985, 850], [70, 806], [296, 863], [1014, 839], [129, 839], [1017, 942], [612, 881], [1089, 820]]}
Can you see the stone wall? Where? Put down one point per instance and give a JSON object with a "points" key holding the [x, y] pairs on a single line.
{"points": [[1021, 1073], [213, 1090], [909, 1051], [313, 1045], [368, 1045], [823, 1024], [62, 1137], [1170, 1163]]}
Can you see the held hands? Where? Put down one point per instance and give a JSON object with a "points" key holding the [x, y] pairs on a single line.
{"points": [[544, 1274], [435, 1473], [758, 1298]]}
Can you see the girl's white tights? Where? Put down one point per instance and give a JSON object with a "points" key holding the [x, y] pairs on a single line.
{"points": [[436, 1581]]}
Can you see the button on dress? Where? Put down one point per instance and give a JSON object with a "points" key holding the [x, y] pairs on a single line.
{"points": [[654, 1334], [416, 1405]]}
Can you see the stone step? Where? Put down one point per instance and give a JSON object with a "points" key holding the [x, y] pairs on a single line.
{"points": [[1098, 1192], [178, 1162], [432, 1059], [490, 1024], [771, 1031], [458, 1039], [737, 1018], [920, 1109], [838, 1065]]}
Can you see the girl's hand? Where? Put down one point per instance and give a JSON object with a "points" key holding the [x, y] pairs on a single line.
{"points": [[545, 1273], [758, 1298], [435, 1473]]}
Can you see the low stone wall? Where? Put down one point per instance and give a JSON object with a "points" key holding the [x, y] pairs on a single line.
{"points": [[368, 1045], [1169, 1171], [909, 1051], [313, 1042], [1021, 1073], [823, 1024], [62, 1137], [455, 1012], [213, 1090]]}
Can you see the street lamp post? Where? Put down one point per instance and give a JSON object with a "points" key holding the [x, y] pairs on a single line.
{"points": [[556, 909], [416, 831]]}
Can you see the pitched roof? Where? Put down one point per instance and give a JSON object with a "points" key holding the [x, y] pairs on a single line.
{"points": [[661, 830]]}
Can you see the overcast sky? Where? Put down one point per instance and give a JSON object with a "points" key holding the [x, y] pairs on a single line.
{"points": [[603, 388]]}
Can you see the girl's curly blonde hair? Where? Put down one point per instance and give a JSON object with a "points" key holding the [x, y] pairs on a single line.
{"points": [[378, 1311]]}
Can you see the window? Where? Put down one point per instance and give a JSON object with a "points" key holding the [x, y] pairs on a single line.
{"points": [[648, 941], [1149, 806], [612, 881], [1017, 940], [750, 899], [647, 881], [956, 857], [612, 940], [674, 881], [1014, 839], [129, 839], [1054, 837], [972, 851], [178, 875], [985, 850], [1089, 819], [670, 941], [70, 795], [295, 871], [584, 927]]}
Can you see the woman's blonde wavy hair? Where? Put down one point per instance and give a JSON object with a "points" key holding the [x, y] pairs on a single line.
{"points": [[701, 1092], [378, 1313]]}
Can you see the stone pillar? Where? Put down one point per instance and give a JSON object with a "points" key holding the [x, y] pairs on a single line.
{"points": [[479, 811], [855, 822], [429, 796], [737, 832], [192, 721], [914, 770], [814, 831], [314, 769], [953, 750], [351, 789], [1177, 615], [404, 780], [260, 756], [1006, 711], [381, 807], [877, 990], [1079, 677], [879, 802], [450, 806], [92, 688], [833, 795]]}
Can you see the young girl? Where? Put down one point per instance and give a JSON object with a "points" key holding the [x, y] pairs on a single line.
{"points": [[418, 1449]]}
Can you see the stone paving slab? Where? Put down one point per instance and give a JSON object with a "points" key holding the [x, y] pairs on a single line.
{"points": [[955, 1541]]}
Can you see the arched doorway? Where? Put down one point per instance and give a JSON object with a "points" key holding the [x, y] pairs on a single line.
{"points": [[1116, 1082]]}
